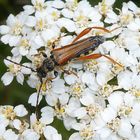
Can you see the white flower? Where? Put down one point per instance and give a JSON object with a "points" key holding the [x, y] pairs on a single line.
{"points": [[98, 98], [14, 70], [14, 29]]}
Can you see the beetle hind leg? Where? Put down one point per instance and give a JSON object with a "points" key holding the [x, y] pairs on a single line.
{"points": [[96, 56]]}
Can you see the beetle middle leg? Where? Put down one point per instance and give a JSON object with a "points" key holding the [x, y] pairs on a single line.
{"points": [[68, 71]]}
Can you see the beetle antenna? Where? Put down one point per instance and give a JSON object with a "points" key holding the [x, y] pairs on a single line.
{"points": [[19, 64], [37, 101]]}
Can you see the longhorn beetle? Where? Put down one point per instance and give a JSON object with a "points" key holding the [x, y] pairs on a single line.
{"points": [[61, 56]]}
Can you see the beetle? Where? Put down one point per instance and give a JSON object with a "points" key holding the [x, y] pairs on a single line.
{"points": [[61, 56], [73, 51]]}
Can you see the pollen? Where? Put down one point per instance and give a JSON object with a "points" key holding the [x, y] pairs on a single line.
{"points": [[103, 7], [117, 69], [91, 65], [24, 42], [125, 111], [77, 89], [38, 127], [135, 92], [17, 29], [126, 18], [13, 68], [55, 15], [46, 86], [107, 89], [82, 20], [59, 110], [8, 112], [114, 124], [92, 110], [72, 4], [38, 59], [39, 6], [41, 24], [87, 133]]}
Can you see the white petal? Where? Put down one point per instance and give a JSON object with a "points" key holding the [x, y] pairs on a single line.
{"points": [[80, 113], [47, 115], [15, 52], [4, 29], [17, 124], [14, 40], [31, 21], [75, 136], [116, 99], [64, 98], [99, 123], [58, 86], [29, 134], [125, 129], [69, 122], [132, 6], [124, 80], [87, 99], [20, 78], [129, 99], [89, 79], [104, 133], [58, 4], [33, 98], [11, 20], [10, 134], [38, 40], [137, 130], [23, 51], [135, 114], [108, 114], [26, 70], [20, 110], [28, 9], [51, 99], [101, 78], [49, 131], [7, 78], [70, 79], [67, 23], [5, 38], [67, 13]]}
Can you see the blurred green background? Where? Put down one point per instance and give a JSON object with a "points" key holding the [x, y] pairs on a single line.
{"points": [[15, 93]]}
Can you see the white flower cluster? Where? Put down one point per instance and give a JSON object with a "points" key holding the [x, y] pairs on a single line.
{"points": [[98, 99]]}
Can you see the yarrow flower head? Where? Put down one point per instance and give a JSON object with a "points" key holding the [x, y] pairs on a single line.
{"points": [[82, 63]]}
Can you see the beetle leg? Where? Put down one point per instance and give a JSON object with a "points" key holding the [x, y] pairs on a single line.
{"points": [[68, 71], [96, 56], [87, 30]]}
